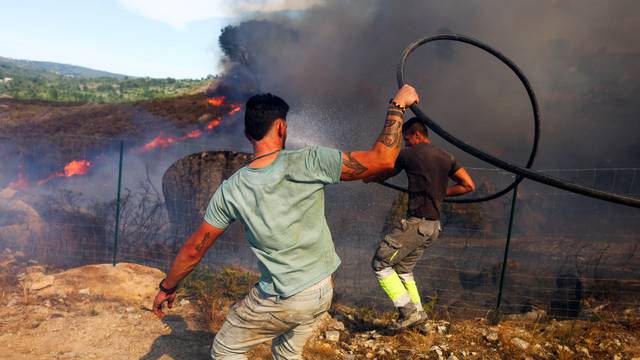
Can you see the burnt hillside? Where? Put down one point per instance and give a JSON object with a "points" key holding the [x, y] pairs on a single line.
{"points": [[41, 134], [30, 119]]}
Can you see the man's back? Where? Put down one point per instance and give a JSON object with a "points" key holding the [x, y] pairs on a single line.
{"points": [[428, 169], [282, 209]]}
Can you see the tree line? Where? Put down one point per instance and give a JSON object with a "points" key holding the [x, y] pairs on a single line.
{"points": [[100, 90]]}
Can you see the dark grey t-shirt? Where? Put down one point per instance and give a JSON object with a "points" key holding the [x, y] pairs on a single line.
{"points": [[428, 169]]}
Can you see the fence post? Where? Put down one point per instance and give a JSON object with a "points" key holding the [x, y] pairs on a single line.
{"points": [[495, 317], [117, 230]]}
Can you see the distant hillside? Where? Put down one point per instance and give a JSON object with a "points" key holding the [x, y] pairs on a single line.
{"points": [[28, 68], [40, 80]]}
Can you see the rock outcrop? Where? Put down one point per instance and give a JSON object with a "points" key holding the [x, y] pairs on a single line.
{"points": [[191, 181], [128, 283], [20, 223]]}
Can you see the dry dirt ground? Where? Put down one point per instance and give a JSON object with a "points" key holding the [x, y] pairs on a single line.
{"points": [[102, 312], [96, 312]]}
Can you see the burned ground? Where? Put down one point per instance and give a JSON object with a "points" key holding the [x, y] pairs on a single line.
{"points": [[78, 128], [101, 311]]}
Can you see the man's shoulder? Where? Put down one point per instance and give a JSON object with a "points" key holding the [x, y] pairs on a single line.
{"points": [[317, 163], [420, 149], [311, 150], [426, 152], [297, 152], [433, 149], [290, 156], [233, 180]]}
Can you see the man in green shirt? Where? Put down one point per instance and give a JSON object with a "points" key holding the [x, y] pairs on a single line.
{"points": [[279, 198]]}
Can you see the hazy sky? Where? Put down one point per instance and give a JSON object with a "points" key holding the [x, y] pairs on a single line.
{"points": [[157, 38]]}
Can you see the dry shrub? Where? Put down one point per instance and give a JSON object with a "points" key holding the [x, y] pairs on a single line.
{"points": [[565, 355], [215, 291], [362, 318], [25, 292], [260, 352], [414, 340], [321, 350]]}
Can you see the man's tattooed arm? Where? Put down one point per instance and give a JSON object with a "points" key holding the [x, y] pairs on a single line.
{"points": [[363, 164], [191, 253], [380, 160], [391, 134], [354, 168], [203, 242]]}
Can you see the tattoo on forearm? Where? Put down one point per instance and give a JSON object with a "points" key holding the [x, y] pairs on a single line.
{"points": [[394, 111], [355, 167], [391, 134], [203, 242]]}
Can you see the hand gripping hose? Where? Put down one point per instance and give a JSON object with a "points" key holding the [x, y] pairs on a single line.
{"points": [[520, 172]]}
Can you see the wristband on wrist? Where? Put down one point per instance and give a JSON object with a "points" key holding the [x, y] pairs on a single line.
{"points": [[392, 110], [165, 290], [395, 104]]}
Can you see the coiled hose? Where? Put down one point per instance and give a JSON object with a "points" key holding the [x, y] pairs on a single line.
{"points": [[520, 172]]}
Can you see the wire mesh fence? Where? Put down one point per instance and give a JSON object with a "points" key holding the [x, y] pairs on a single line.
{"points": [[568, 253]]}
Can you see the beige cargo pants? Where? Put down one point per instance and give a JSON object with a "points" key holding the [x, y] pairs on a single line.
{"points": [[260, 317]]}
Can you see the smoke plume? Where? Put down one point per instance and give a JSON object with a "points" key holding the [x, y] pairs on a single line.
{"points": [[335, 64]]}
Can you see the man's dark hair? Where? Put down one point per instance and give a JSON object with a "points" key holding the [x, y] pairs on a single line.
{"points": [[415, 125], [261, 112]]}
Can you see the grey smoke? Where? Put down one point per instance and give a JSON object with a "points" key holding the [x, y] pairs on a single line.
{"points": [[580, 56]]}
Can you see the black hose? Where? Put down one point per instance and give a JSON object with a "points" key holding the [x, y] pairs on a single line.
{"points": [[519, 171], [525, 82]]}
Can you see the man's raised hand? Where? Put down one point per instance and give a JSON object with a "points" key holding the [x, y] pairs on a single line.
{"points": [[406, 96]]}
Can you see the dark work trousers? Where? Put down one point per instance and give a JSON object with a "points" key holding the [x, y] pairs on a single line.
{"points": [[404, 246]]}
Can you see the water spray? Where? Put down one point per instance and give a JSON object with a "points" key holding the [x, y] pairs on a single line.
{"points": [[520, 172]]}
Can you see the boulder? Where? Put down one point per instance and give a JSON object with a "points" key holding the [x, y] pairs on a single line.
{"points": [[190, 182], [20, 224], [50, 232], [42, 282], [132, 284]]}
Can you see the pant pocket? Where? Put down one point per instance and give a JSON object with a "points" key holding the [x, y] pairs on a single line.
{"points": [[392, 242], [325, 299], [427, 228], [388, 249]]}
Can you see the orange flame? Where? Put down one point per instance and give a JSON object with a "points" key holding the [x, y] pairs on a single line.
{"points": [[213, 123], [221, 101], [162, 142], [234, 109], [216, 101], [75, 167]]}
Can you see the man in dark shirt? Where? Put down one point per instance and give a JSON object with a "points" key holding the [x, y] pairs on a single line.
{"points": [[428, 169]]}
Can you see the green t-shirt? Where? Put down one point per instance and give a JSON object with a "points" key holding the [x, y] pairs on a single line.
{"points": [[282, 209]]}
